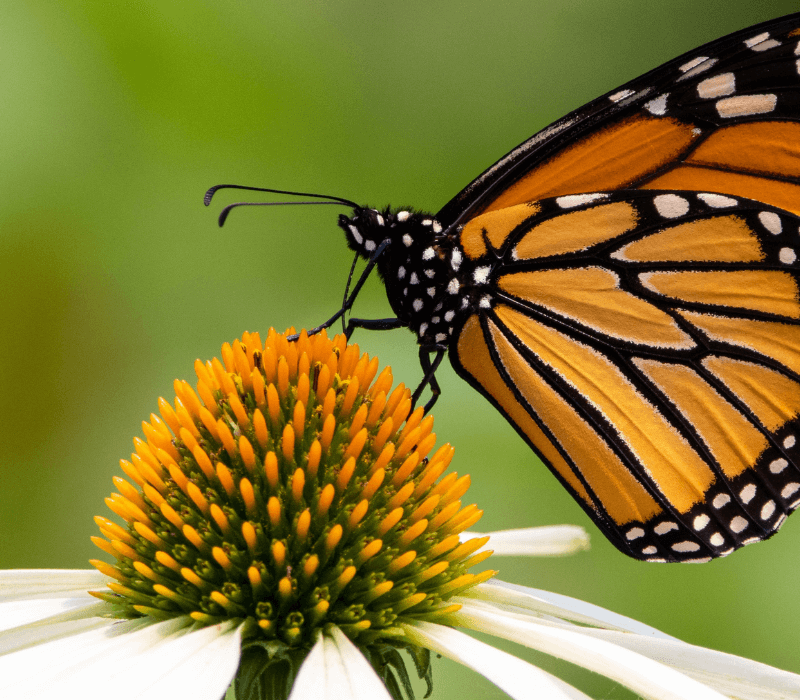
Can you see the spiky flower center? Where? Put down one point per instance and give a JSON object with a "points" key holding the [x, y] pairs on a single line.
{"points": [[290, 491]]}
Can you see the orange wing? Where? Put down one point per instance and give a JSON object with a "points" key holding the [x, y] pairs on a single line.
{"points": [[647, 346]]}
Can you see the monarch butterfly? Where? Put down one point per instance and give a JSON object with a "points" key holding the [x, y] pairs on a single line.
{"points": [[624, 288]]}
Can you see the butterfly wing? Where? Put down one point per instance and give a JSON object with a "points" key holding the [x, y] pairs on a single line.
{"points": [[647, 346], [639, 326], [721, 118]]}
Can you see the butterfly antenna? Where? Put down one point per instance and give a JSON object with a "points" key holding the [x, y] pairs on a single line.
{"points": [[223, 215], [327, 199]]}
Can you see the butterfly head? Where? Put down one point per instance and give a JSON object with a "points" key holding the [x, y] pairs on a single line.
{"points": [[368, 228], [365, 230]]}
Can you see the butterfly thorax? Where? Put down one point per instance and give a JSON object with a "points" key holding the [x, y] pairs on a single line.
{"points": [[422, 268]]}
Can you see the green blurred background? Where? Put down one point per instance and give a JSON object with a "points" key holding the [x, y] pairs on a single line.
{"points": [[113, 276]]}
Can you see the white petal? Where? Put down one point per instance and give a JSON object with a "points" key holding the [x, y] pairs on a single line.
{"points": [[554, 540], [25, 584], [25, 612], [336, 670], [516, 677], [312, 682], [203, 671], [515, 598], [49, 663], [732, 675], [639, 673], [138, 658], [32, 629]]}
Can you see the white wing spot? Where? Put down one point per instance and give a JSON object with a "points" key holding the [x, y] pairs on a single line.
{"points": [[414, 279], [671, 206], [768, 510], [418, 303], [717, 201], [407, 240], [435, 320], [621, 95], [440, 337], [401, 272], [790, 489], [698, 65], [717, 539], [771, 44], [369, 246], [762, 42], [738, 524], [464, 302], [789, 442], [778, 465], [750, 43], [746, 105], [429, 273], [379, 218], [770, 221], [449, 316], [453, 287], [691, 64], [657, 106], [427, 222], [797, 66], [718, 86], [664, 528], [485, 303], [634, 533], [700, 522], [747, 493], [402, 215], [649, 550], [797, 49], [431, 291], [721, 499], [423, 328], [575, 200], [787, 256], [481, 274], [437, 227], [428, 253], [685, 546], [455, 259]]}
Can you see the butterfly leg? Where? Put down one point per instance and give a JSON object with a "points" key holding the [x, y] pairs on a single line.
{"points": [[429, 379], [373, 324], [348, 302]]}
